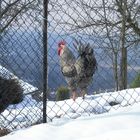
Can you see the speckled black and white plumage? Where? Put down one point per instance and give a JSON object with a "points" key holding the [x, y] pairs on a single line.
{"points": [[78, 72]]}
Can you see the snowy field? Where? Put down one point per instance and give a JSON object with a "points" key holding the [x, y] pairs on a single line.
{"points": [[29, 111], [123, 124]]}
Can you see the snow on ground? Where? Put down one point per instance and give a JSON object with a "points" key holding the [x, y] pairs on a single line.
{"points": [[123, 124], [29, 111]]}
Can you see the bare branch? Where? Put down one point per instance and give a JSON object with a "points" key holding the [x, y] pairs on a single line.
{"points": [[16, 12], [6, 9]]}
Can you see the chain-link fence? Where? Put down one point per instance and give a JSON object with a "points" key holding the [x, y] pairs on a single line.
{"points": [[30, 64]]}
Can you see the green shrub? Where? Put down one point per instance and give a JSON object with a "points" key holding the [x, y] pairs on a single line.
{"points": [[11, 92], [136, 81], [62, 93]]}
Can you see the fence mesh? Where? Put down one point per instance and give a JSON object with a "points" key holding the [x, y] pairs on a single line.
{"points": [[110, 27]]}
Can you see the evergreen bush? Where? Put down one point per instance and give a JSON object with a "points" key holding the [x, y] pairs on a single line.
{"points": [[62, 93], [11, 92]]}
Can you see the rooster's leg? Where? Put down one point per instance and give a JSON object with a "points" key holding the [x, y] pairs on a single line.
{"points": [[83, 93], [74, 95]]}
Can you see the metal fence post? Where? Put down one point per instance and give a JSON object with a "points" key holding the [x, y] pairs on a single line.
{"points": [[45, 63]]}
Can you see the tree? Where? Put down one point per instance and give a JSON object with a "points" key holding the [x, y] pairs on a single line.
{"points": [[115, 23], [11, 9], [129, 13]]}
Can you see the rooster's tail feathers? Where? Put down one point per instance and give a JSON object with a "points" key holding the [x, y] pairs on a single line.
{"points": [[86, 54], [83, 48]]}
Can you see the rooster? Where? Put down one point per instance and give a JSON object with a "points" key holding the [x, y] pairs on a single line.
{"points": [[78, 72]]}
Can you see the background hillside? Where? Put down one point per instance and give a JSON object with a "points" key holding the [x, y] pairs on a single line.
{"points": [[23, 55]]}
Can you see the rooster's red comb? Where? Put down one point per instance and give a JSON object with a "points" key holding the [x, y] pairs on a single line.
{"points": [[61, 43]]}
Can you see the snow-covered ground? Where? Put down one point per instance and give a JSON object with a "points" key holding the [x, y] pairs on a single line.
{"points": [[29, 111], [123, 124]]}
